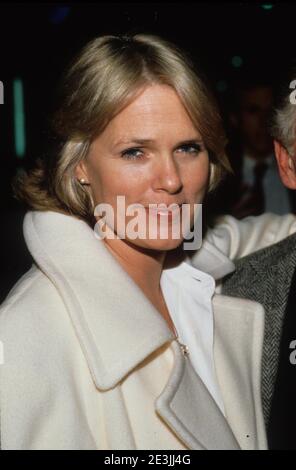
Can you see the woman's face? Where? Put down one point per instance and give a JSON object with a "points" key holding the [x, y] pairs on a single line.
{"points": [[150, 153]]}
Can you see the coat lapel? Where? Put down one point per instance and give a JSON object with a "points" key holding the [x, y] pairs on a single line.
{"points": [[188, 408], [239, 328], [238, 342]]}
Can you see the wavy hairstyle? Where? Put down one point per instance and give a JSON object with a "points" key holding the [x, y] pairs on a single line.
{"points": [[99, 82]]}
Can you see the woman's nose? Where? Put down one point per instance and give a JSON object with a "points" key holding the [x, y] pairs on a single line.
{"points": [[167, 175]]}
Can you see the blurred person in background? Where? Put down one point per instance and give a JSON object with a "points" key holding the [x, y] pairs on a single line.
{"points": [[269, 277], [255, 186]]}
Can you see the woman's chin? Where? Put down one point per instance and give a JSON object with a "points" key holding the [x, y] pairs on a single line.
{"points": [[158, 244]]}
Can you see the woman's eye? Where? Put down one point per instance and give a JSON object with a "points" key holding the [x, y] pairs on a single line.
{"points": [[191, 148], [132, 154], [136, 153]]}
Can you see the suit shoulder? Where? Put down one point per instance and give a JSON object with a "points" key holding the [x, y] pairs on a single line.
{"points": [[272, 255], [261, 268]]}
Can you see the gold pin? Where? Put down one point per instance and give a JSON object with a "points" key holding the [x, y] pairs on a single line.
{"points": [[184, 348]]}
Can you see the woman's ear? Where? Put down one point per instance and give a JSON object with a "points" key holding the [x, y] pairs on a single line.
{"points": [[286, 165], [81, 172]]}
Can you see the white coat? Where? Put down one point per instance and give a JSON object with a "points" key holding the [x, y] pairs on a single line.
{"points": [[89, 363]]}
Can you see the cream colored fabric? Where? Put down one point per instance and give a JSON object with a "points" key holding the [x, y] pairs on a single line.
{"points": [[90, 364], [236, 239]]}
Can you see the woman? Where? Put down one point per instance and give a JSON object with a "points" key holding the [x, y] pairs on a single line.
{"points": [[109, 343]]}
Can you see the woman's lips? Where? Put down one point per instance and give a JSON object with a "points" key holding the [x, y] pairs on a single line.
{"points": [[169, 212], [160, 209]]}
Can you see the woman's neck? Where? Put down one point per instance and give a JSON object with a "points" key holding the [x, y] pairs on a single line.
{"points": [[143, 265], [145, 268]]}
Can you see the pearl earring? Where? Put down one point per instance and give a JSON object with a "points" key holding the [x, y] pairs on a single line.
{"points": [[82, 181]]}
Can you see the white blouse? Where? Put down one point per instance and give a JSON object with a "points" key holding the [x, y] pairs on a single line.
{"points": [[188, 294]]}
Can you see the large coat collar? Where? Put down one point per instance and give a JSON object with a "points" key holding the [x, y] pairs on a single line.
{"points": [[99, 294], [89, 280]]}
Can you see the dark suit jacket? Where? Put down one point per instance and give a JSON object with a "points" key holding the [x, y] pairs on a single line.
{"points": [[265, 276]]}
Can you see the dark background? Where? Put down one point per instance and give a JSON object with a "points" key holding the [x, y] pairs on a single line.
{"points": [[37, 41]]}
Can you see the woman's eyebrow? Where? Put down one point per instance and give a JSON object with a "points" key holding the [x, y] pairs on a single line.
{"points": [[149, 141], [133, 141]]}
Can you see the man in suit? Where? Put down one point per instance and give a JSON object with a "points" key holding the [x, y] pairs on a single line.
{"points": [[268, 276]]}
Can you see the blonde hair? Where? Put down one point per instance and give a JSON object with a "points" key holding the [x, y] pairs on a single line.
{"points": [[100, 81]]}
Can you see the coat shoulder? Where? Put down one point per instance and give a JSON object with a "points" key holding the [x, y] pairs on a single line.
{"points": [[32, 297], [35, 329], [42, 370]]}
